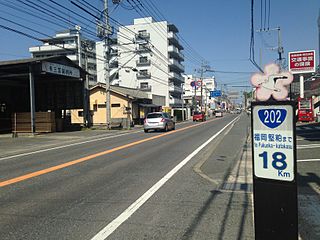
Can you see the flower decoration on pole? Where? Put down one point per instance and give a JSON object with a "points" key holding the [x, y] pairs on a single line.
{"points": [[272, 83]]}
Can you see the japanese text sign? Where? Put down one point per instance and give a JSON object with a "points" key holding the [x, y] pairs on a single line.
{"points": [[302, 62]]}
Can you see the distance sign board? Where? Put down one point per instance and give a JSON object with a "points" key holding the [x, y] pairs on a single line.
{"points": [[273, 142]]}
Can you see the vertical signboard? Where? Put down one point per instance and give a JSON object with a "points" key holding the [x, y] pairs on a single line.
{"points": [[274, 170]]}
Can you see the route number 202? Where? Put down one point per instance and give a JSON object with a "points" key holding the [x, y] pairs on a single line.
{"points": [[273, 116]]}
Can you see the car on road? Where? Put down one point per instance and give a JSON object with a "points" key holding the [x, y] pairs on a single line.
{"points": [[199, 116], [158, 121], [219, 113]]}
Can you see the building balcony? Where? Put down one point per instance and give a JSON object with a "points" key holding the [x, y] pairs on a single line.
{"points": [[143, 48], [92, 60], [172, 28], [114, 64], [143, 63], [114, 52], [174, 88], [51, 48], [175, 101], [175, 53], [174, 40], [176, 65], [175, 77], [145, 89], [143, 36], [143, 75], [92, 72]]}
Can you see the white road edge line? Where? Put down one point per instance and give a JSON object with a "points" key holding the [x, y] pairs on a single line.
{"points": [[308, 160], [112, 226], [64, 146]]}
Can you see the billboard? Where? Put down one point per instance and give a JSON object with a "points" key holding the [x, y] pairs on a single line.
{"points": [[302, 62]]}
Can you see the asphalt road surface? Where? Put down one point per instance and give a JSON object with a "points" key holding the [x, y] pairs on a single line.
{"points": [[191, 183], [308, 157], [133, 186]]}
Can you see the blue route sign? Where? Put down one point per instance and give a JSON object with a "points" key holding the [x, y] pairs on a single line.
{"points": [[215, 93]]}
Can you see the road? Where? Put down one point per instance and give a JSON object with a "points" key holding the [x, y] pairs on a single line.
{"points": [[308, 155], [191, 183], [76, 191]]}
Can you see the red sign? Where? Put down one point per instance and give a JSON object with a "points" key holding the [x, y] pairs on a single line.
{"points": [[302, 62]]}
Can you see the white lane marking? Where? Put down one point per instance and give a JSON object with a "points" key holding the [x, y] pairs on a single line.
{"points": [[112, 226], [308, 160], [308, 146], [64, 146]]}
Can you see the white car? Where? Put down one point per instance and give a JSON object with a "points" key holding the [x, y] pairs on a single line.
{"points": [[219, 113], [158, 121]]}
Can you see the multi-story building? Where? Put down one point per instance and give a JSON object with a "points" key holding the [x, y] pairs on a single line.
{"points": [[67, 43], [150, 59], [113, 62], [192, 90]]}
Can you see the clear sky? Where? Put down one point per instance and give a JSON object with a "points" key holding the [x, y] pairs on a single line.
{"points": [[218, 30]]}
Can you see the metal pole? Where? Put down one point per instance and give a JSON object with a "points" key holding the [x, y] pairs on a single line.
{"points": [[32, 101], [182, 117], [107, 73], [195, 94], [86, 116], [201, 79], [301, 86], [280, 49]]}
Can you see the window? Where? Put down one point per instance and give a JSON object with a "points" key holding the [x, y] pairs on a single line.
{"points": [[154, 115], [143, 72], [115, 105], [101, 106], [143, 59], [80, 114], [144, 85]]}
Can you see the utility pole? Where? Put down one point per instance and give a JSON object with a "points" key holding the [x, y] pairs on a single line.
{"points": [[201, 79], [106, 72], [319, 31], [279, 48], [195, 94]]}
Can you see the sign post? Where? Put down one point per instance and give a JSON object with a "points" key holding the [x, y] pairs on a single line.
{"points": [[274, 157], [274, 170]]}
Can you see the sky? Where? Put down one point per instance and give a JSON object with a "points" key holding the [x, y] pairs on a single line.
{"points": [[215, 30]]}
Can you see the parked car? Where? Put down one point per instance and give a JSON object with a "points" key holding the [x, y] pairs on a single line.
{"points": [[199, 116], [158, 121], [219, 113]]}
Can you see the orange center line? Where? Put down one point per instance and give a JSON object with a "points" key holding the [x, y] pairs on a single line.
{"points": [[87, 158]]}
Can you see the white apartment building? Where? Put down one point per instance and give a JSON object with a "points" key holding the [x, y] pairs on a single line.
{"points": [[149, 58], [67, 43], [113, 62]]}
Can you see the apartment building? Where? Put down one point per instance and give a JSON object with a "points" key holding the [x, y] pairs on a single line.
{"points": [[150, 59], [67, 43]]}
